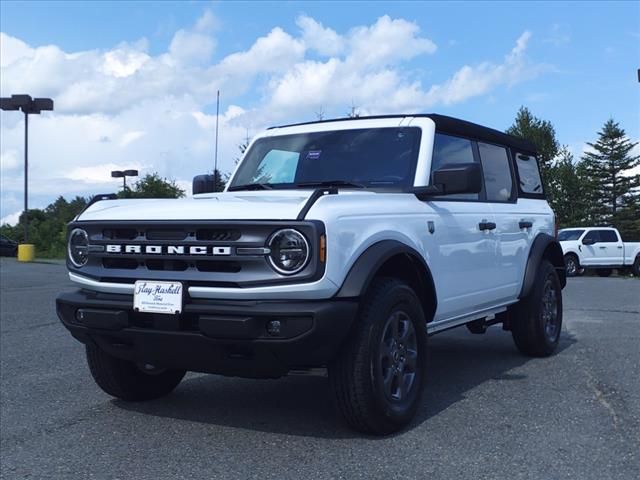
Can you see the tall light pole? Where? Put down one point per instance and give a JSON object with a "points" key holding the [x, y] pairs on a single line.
{"points": [[124, 174], [28, 106]]}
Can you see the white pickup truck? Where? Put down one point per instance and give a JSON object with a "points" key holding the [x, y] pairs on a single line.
{"points": [[598, 248]]}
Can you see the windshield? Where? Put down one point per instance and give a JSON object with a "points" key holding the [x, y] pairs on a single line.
{"points": [[369, 158], [565, 235]]}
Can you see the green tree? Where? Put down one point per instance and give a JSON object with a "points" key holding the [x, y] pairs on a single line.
{"points": [[219, 181], [153, 186], [565, 189], [539, 132], [48, 227], [627, 219], [608, 169]]}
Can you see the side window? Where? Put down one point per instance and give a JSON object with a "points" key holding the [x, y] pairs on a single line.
{"points": [[592, 235], [608, 236], [529, 174], [447, 150], [498, 181]]}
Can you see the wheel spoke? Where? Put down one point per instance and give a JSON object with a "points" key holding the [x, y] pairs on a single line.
{"points": [[398, 356], [411, 360], [399, 385], [395, 325], [387, 381]]}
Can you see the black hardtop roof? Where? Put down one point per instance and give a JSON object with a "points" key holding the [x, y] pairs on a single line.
{"points": [[449, 125]]}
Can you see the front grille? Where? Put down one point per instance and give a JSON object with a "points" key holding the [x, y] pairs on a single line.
{"points": [[156, 234], [119, 233], [205, 253], [124, 263], [216, 266], [166, 265], [209, 234]]}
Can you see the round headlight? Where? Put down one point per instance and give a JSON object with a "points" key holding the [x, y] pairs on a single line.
{"points": [[289, 251], [78, 247]]}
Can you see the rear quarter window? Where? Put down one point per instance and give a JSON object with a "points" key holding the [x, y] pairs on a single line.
{"points": [[529, 174]]}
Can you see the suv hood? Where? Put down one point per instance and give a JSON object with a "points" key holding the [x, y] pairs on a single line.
{"points": [[261, 205]]}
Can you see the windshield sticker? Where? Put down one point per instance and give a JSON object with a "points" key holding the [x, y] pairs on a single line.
{"points": [[314, 154]]}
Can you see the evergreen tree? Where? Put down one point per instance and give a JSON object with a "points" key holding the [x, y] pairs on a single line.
{"points": [[539, 132], [565, 190], [608, 170], [627, 219], [219, 181]]}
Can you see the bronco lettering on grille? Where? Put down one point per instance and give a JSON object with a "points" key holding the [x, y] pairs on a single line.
{"points": [[169, 249]]}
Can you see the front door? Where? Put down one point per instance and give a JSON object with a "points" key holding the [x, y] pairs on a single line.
{"points": [[464, 246]]}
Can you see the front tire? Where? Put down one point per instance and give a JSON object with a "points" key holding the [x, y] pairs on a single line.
{"points": [[572, 265], [537, 319], [635, 269], [603, 272], [128, 380], [379, 374]]}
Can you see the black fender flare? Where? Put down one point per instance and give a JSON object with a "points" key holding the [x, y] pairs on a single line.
{"points": [[544, 246], [370, 262]]}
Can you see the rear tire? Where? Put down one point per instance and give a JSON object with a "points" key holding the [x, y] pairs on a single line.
{"points": [[128, 380], [572, 265], [379, 374], [635, 269], [603, 272], [537, 319]]}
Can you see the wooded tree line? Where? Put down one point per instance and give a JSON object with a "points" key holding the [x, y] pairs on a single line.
{"points": [[596, 189], [48, 227]]}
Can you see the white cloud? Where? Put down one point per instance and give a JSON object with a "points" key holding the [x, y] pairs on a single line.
{"points": [[387, 42], [11, 219], [124, 61], [126, 108], [12, 49], [471, 81], [9, 160], [191, 47], [324, 40], [99, 173]]}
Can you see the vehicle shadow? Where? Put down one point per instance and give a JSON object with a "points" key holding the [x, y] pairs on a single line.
{"points": [[302, 405]]}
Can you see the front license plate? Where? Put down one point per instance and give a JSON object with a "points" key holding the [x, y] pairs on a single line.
{"points": [[157, 297]]}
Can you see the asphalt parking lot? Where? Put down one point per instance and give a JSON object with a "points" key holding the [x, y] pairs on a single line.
{"points": [[488, 412]]}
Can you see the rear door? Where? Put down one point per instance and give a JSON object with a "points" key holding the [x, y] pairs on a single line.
{"points": [[610, 250], [514, 221]]}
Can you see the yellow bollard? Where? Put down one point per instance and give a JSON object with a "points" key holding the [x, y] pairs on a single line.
{"points": [[26, 252]]}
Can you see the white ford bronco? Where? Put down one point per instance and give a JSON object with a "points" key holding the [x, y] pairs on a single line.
{"points": [[338, 244]]}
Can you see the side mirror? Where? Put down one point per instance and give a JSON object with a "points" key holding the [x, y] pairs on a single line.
{"points": [[203, 184], [453, 178], [588, 241]]}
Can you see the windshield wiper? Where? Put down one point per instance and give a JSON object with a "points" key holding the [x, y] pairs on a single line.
{"points": [[331, 183], [250, 186]]}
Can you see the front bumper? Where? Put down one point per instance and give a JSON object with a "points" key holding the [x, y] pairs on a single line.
{"points": [[213, 336]]}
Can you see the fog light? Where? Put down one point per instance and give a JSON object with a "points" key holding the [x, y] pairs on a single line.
{"points": [[273, 327]]}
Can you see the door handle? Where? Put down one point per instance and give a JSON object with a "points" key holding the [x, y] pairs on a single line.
{"points": [[619, 246], [484, 225], [602, 247], [525, 224]]}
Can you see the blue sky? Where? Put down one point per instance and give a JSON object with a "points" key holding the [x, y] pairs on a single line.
{"points": [[573, 63]]}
